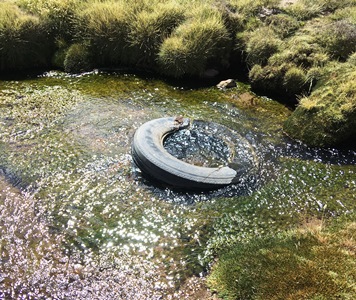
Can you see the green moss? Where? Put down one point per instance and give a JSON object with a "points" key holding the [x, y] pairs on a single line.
{"points": [[307, 263]]}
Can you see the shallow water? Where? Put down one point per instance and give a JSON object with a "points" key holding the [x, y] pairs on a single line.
{"points": [[79, 219]]}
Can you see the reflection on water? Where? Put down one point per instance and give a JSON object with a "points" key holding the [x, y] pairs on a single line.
{"points": [[77, 217]]}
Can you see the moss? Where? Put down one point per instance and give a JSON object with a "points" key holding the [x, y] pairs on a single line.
{"points": [[307, 263]]}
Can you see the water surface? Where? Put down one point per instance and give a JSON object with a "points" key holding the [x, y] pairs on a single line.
{"points": [[79, 219]]}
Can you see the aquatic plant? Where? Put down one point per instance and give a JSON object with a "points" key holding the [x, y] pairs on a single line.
{"points": [[108, 232]]}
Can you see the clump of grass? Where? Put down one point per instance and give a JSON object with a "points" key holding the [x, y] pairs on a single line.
{"points": [[352, 59], [339, 38], [294, 80], [57, 15], [283, 25], [148, 28], [103, 26], [305, 9], [252, 7], [77, 59], [285, 71], [22, 38], [267, 78], [306, 263], [261, 45], [190, 48], [301, 50], [327, 116]]}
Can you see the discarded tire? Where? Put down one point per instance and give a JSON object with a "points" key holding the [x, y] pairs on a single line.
{"points": [[150, 156]]}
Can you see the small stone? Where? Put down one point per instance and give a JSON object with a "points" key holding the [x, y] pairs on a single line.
{"points": [[225, 84]]}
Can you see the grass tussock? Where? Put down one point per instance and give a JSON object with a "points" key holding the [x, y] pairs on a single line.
{"points": [[148, 29], [307, 263], [23, 43], [328, 115], [103, 26], [201, 40]]}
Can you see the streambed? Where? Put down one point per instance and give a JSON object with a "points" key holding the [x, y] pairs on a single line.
{"points": [[79, 219]]}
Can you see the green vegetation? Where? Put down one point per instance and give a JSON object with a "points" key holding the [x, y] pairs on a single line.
{"points": [[23, 43], [328, 115], [310, 262], [201, 38], [284, 244], [304, 50]]}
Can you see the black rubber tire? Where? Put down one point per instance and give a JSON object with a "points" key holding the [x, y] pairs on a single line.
{"points": [[150, 156]]}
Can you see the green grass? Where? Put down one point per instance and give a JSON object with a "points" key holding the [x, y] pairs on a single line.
{"points": [[148, 28], [327, 116], [23, 43], [201, 38], [103, 26]]}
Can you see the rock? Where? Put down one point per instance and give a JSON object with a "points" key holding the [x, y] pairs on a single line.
{"points": [[266, 12], [225, 84]]}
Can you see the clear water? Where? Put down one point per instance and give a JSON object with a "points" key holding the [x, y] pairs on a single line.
{"points": [[77, 218]]}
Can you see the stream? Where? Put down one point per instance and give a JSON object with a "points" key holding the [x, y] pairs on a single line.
{"points": [[78, 220]]}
